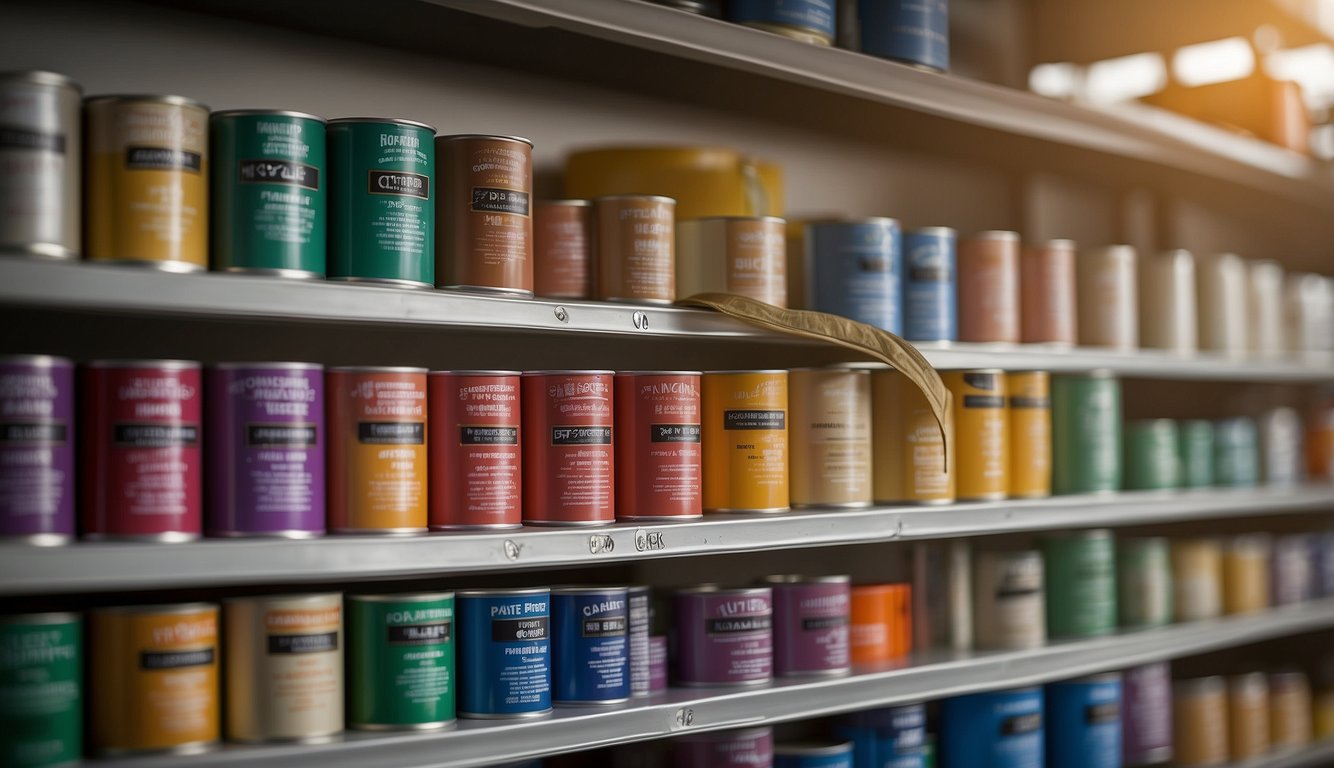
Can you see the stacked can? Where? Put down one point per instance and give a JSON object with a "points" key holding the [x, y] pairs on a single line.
{"points": [[741, 748], [1108, 298], [37, 449], [930, 298], [989, 287], [982, 471], [1167, 314], [739, 255], [810, 21], [590, 645], [723, 636], [41, 689], [505, 642], [1152, 462], [1197, 579], [908, 447], [1246, 573], [1029, 415], [745, 434], [1236, 453], [830, 437], [1248, 716], [484, 214], [854, 269], [1047, 282], [634, 248], [1081, 583], [1293, 574], [1195, 447], [1084, 722], [1199, 721], [894, 737], [1144, 581], [400, 652], [659, 458], [811, 618], [999, 728], [1146, 727], [911, 32], [475, 450], [1008, 604], [40, 211], [1086, 433], [813, 754], [568, 466], [563, 249]]}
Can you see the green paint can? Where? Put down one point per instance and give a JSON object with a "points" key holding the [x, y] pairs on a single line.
{"points": [[400, 658], [1152, 463], [1081, 583], [1144, 581], [41, 689], [1236, 453], [382, 201], [1195, 446], [267, 192], [1086, 433]]}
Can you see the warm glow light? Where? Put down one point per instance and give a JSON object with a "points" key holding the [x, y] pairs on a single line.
{"points": [[1057, 81], [1311, 67], [1125, 78], [1214, 62]]}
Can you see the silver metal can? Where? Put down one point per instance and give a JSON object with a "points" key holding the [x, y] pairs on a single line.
{"points": [[40, 164]]}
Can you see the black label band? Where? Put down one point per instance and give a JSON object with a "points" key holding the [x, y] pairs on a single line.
{"points": [[604, 626], [581, 435], [1022, 401], [391, 432], [155, 435], [488, 435], [281, 435], [321, 643], [421, 634], [754, 419], [162, 159], [519, 630], [674, 433], [278, 172], [18, 138], [983, 401], [739, 624], [21, 432], [398, 183], [175, 659], [488, 200], [1020, 724]]}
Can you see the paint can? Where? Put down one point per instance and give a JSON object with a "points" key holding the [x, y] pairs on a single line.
{"points": [[1167, 311], [634, 248], [284, 667], [265, 430], [37, 432], [1236, 453], [1084, 722], [474, 449], [1323, 551], [1280, 446], [830, 437], [41, 689], [1248, 716], [657, 663], [870, 622], [1246, 573], [1047, 294], [981, 423], [41, 160], [146, 181], [908, 449], [1003, 728], [1144, 581], [1197, 579], [267, 193], [641, 667], [916, 33], [1081, 583], [739, 748], [1290, 709], [1029, 415], [1108, 298], [1086, 433], [505, 646], [943, 582], [1308, 301], [1195, 447], [1220, 284], [810, 21], [590, 647], [989, 287], [930, 299], [140, 455], [380, 191], [1152, 461], [400, 661], [811, 618], [568, 466], [1264, 306], [153, 679], [378, 469], [855, 269], [1146, 724], [723, 636], [1199, 721], [659, 458], [742, 255], [711, 8], [1008, 603], [745, 441], [1293, 577], [484, 215], [816, 754], [563, 249], [893, 737]]}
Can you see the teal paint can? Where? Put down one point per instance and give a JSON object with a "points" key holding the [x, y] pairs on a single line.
{"points": [[382, 201], [1236, 453], [41, 689], [1152, 462], [267, 193], [1086, 433], [1195, 446], [1081, 583], [1144, 582]]}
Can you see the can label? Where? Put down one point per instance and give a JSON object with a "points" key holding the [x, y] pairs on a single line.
{"points": [[1195, 447], [147, 196], [1151, 455], [749, 748], [745, 441], [1144, 572], [142, 450], [1294, 571], [1108, 314], [1084, 722], [591, 662], [746, 256], [1047, 283], [506, 643], [1030, 434], [980, 422], [568, 464], [40, 174], [908, 450], [657, 663], [1086, 434], [831, 437], [814, 16], [1008, 600], [1199, 720], [484, 213], [994, 729], [400, 660], [659, 461], [641, 682], [989, 289], [1081, 584], [41, 689], [380, 183], [475, 444], [894, 737], [915, 32], [1236, 453], [856, 271], [724, 637], [1197, 579], [563, 250], [266, 450], [870, 620], [377, 452], [299, 668], [1147, 707], [811, 627], [929, 293], [635, 248], [36, 447]]}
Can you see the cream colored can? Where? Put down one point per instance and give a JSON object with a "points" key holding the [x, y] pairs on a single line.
{"points": [[634, 248], [284, 667], [1197, 579], [1220, 282], [907, 452], [1248, 715], [1265, 333], [1167, 310], [1009, 610], [1289, 709], [1108, 303], [830, 437], [735, 254], [1246, 573], [1199, 721]]}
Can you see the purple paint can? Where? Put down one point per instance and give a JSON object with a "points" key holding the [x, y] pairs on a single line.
{"points": [[1324, 564], [811, 624], [265, 432], [744, 748], [724, 636], [36, 449], [1293, 569], [1146, 714], [657, 663]]}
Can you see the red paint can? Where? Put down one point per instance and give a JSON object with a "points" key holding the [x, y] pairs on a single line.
{"points": [[475, 462], [659, 462], [141, 452], [568, 464]]}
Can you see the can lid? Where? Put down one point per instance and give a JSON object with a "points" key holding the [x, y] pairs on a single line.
{"points": [[1091, 534], [57, 617], [427, 597], [375, 369], [502, 592], [995, 234], [882, 220], [587, 589], [794, 578], [305, 597], [775, 219], [231, 366], [1287, 676], [718, 589], [45, 361], [496, 136], [659, 373], [171, 365], [265, 113], [475, 373], [39, 77], [1059, 242], [745, 370], [150, 610], [813, 748], [383, 121], [570, 202], [559, 372], [149, 98], [988, 371], [934, 231], [1194, 685], [835, 368], [1248, 680], [654, 198]]}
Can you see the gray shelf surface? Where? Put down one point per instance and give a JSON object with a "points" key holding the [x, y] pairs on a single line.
{"points": [[110, 566], [1318, 755], [678, 711], [128, 290]]}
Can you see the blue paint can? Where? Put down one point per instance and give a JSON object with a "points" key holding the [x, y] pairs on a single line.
{"points": [[809, 20], [929, 292], [813, 755], [911, 31], [504, 652], [997, 730], [641, 616], [590, 627], [894, 737], [1084, 722], [854, 269]]}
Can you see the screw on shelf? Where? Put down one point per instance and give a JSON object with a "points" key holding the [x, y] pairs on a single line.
{"points": [[512, 549], [685, 718], [562, 314], [640, 320]]}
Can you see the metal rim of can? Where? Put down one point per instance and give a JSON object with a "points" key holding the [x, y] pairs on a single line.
{"points": [[586, 589], [382, 121], [46, 361], [853, 220], [813, 748], [569, 373], [475, 373], [1285, 676], [1102, 677], [745, 371], [571, 202], [502, 592], [718, 589], [375, 369], [172, 267], [157, 610], [1248, 678], [278, 365], [935, 231], [1191, 686], [646, 198], [737, 734], [265, 113], [488, 136], [637, 589], [1093, 534], [39, 77], [1059, 242], [120, 365], [144, 98], [54, 617], [796, 578], [776, 219], [301, 597], [829, 369], [411, 597], [659, 373], [996, 234], [804, 34], [991, 371]]}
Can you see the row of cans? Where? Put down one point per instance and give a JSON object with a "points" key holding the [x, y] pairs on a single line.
{"points": [[1241, 717]]}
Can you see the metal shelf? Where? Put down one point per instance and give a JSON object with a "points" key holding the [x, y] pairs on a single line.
{"points": [[679, 710], [224, 297], [108, 566], [1314, 756]]}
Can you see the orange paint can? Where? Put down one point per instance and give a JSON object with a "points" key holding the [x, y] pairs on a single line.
{"points": [[1199, 721], [981, 429], [563, 249], [1246, 573], [153, 679], [377, 450], [872, 619], [1248, 715], [1030, 434], [745, 441], [908, 454], [634, 248], [1290, 709], [989, 287], [900, 620], [1047, 294]]}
